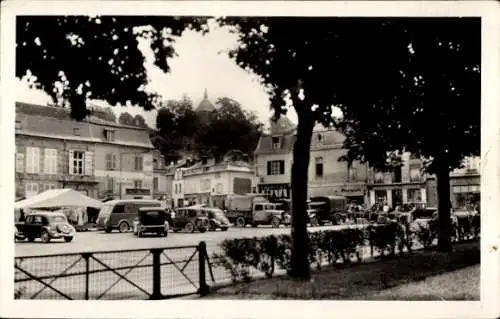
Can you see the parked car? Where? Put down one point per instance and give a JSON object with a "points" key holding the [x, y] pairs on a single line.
{"points": [[46, 226], [255, 209], [190, 219], [217, 219], [325, 209], [120, 214], [151, 220]]}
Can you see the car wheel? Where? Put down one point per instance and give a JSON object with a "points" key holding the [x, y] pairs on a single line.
{"points": [[213, 227], [108, 230], [45, 237], [31, 239], [189, 228], [240, 222], [164, 233], [123, 227], [275, 222], [202, 229], [68, 239], [140, 234], [223, 228]]}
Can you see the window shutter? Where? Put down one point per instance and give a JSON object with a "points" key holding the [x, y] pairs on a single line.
{"points": [[88, 168], [54, 161], [36, 160], [35, 188], [20, 162], [109, 161], [113, 161], [268, 168], [46, 161], [282, 167], [70, 159]]}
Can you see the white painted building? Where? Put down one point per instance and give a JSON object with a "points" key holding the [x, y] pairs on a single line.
{"points": [[210, 183]]}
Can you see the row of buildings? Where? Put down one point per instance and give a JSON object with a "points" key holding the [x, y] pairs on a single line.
{"points": [[105, 160]]}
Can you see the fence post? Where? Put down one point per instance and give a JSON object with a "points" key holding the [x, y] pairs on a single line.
{"points": [[156, 295], [202, 256], [86, 256]]}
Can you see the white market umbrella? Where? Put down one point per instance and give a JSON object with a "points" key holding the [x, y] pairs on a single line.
{"points": [[58, 198]]}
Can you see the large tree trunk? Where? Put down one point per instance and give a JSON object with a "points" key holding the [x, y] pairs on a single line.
{"points": [[300, 239], [444, 208]]}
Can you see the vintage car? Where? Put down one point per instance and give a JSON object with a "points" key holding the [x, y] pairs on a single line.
{"points": [[324, 209], [46, 226], [190, 219], [151, 220], [217, 219], [120, 214]]}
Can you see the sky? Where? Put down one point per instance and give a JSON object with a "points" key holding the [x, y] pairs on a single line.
{"points": [[201, 63]]}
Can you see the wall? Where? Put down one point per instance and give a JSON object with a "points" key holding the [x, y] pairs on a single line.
{"points": [[62, 179], [261, 168], [125, 177]]}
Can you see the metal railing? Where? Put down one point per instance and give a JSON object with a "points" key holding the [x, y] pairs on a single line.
{"points": [[157, 273]]}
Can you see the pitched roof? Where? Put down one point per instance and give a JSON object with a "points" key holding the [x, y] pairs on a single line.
{"points": [[282, 126], [53, 122], [205, 105]]}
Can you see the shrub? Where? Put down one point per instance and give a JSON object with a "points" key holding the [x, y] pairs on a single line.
{"points": [[329, 247]]}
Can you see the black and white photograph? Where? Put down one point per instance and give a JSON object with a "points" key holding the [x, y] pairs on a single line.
{"points": [[223, 158]]}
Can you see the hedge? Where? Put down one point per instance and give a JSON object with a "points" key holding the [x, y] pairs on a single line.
{"points": [[328, 247]]}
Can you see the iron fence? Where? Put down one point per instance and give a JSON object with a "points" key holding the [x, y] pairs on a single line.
{"points": [[157, 273]]}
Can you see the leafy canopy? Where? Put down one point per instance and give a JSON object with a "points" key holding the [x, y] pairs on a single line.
{"points": [[402, 83], [95, 57]]}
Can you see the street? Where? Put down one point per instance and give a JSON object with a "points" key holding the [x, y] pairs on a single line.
{"points": [[101, 241], [105, 284]]}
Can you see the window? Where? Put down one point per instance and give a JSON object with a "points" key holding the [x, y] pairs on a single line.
{"points": [[20, 162], [155, 183], [353, 173], [76, 131], [319, 137], [254, 189], [138, 163], [397, 175], [276, 167], [379, 177], [137, 183], [119, 209], [109, 135], [31, 189], [192, 213], [258, 207], [276, 142], [219, 188], [414, 195], [19, 125], [180, 188], [319, 166], [37, 220], [50, 161], [110, 184], [77, 161], [110, 161], [155, 163], [33, 160], [415, 175], [49, 186]]}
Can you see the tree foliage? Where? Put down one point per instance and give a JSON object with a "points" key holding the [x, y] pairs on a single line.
{"points": [[229, 128], [403, 84], [176, 124], [126, 118], [95, 57], [140, 121]]}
